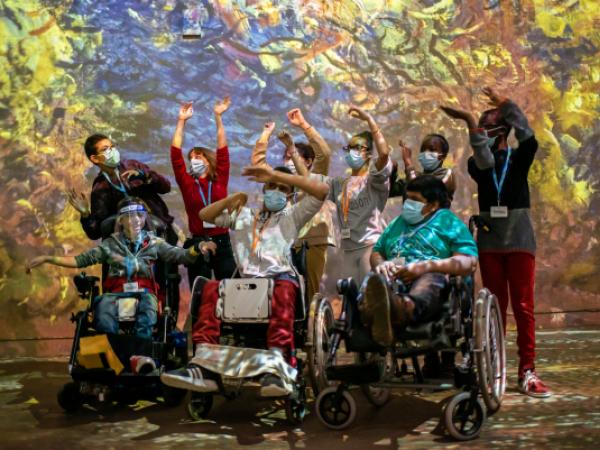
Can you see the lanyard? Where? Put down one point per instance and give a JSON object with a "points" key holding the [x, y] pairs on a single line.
{"points": [[345, 200], [118, 188], [256, 237], [406, 236], [130, 260], [202, 193], [500, 184]]}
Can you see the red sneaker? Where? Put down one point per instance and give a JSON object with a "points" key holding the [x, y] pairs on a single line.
{"points": [[531, 385]]}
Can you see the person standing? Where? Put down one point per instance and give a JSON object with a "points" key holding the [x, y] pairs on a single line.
{"points": [[507, 250]]}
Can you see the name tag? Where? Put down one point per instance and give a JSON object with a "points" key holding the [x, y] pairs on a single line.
{"points": [[499, 212], [345, 233], [208, 225], [131, 287]]}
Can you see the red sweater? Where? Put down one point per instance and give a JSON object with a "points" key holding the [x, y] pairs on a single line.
{"points": [[191, 195]]}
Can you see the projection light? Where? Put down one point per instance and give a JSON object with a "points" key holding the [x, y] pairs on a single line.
{"points": [[194, 15]]}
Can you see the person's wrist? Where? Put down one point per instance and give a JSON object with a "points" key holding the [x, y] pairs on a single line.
{"points": [[305, 126]]}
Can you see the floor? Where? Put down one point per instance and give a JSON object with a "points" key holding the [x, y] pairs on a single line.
{"points": [[569, 362]]}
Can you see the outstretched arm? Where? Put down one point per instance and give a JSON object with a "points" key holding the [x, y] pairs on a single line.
{"points": [[259, 153], [383, 151], [291, 152], [320, 147], [265, 174], [219, 108], [64, 261], [230, 203]]}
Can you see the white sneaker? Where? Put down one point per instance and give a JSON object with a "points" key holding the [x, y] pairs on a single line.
{"points": [[189, 378], [272, 386]]}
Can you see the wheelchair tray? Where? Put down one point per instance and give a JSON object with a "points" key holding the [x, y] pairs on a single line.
{"points": [[246, 299]]}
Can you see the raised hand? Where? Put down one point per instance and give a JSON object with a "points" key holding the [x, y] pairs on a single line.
{"points": [[186, 111], [236, 202], [269, 127], [460, 114], [406, 153], [79, 201], [359, 113], [261, 174], [222, 105], [296, 118], [286, 139], [494, 98]]}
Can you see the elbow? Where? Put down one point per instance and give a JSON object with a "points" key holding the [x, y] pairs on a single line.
{"points": [[323, 191], [202, 215]]}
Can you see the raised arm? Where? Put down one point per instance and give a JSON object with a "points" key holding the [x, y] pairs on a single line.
{"points": [[219, 108], [290, 150], [320, 147], [511, 113], [259, 152], [265, 174], [383, 151], [186, 111], [409, 169], [230, 203], [63, 261]]}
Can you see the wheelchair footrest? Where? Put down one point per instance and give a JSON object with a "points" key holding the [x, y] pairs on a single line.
{"points": [[370, 372]]}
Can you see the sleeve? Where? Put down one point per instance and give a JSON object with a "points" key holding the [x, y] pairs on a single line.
{"points": [[178, 164], [333, 188], [173, 254], [306, 208], [525, 153], [322, 151], [380, 180], [223, 165], [96, 255], [482, 154], [473, 170], [98, 212], [154, 180], [515, 118], [381, 243], [461, 240]]}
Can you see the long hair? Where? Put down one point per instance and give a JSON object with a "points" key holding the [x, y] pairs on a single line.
{"points": [[210, 156]]}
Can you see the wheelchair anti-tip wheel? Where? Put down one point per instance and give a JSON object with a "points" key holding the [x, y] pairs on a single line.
{"points": [[491, 359], [377, 396], [69, 398], [320, 323], [199, 405], [336, 410], [464, 418]]}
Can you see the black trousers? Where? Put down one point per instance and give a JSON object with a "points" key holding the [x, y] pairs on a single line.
{"points": [[222, 263], [428, 292]]}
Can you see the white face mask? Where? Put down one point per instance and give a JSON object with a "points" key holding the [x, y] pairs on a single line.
{"points": [[198, 167], [112, 157], [290, 165]]}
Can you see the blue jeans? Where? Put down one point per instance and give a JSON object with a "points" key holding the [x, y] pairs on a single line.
{"points": [[106, 314]]}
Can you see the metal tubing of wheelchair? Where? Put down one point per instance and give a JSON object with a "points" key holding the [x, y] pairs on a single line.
{"points": [[412, 386]]}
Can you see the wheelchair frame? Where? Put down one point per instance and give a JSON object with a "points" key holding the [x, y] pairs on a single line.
{"points": [[475, 325]]}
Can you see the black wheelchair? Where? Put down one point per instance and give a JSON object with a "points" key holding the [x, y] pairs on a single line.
{"points": [[468, 324], [107, 375], [244, 314]]}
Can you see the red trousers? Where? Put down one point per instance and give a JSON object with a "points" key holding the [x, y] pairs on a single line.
{"points": [[514, 273], [280, 333]]}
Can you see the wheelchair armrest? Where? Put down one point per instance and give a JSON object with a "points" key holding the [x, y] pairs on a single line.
{"points": [[85, 284]]}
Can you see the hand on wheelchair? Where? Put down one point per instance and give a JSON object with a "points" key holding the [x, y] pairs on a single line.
{"points": [[388, 269], [410, 272]]}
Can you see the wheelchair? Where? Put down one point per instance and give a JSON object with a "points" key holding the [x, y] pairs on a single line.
{"points": [[472, 325], [244, 311], [106, 376]]}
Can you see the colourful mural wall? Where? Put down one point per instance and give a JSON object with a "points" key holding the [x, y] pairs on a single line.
{"points": [[70, 68]]}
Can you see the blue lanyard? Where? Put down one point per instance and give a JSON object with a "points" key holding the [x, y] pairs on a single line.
{"points": [[129, 260], [202, 193], [500, 184], [406, 236], [118, 188]]}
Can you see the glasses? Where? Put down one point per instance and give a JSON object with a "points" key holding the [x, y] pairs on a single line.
{"points": [[106, 149], [491, 132], [347, 148]]}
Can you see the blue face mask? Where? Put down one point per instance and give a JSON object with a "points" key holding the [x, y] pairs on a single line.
{"points": [[412, 211], [112, 157], [275, 200], [198, 167], [429, 160], [354, 159]]}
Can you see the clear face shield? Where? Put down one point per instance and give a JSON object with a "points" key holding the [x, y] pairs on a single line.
{"points": [[133, 222]]}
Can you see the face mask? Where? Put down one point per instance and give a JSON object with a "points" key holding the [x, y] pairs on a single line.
{"points": [[198, 167], [429, 160], [290, 165], [491, 141], [412, 211], [275, 200], [354, 159], [112, 157]]}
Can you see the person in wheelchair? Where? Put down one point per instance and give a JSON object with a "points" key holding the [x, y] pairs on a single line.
{"points": [[262, 242], [130, 252], [418, 250]]}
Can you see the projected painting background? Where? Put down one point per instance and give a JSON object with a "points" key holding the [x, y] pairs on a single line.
{"points": [[71, 68]]}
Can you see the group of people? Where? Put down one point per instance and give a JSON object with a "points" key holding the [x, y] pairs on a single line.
{"points": [[302, 207]]}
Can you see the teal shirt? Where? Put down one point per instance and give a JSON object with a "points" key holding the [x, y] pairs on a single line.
{"points": [[440, 238]]}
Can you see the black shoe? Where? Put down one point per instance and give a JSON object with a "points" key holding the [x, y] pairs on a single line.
{"points": [[375, 308], [272, 386]]}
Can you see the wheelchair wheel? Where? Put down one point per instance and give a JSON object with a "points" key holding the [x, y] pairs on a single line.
{"points": [[69, 398], [491, 360], [462, 418], [336, 410], [377, 396], [320, 323], [199, 405]]}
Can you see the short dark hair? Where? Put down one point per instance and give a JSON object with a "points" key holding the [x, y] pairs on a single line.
{"points": [[305, 150], [430, 187], [443, 140], [500, 120], [285, 170], [90, 144]]}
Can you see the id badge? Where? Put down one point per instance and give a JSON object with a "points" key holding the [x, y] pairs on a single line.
{"points": [[345, 233], [499, 212], [206, 225], [131, 287]]}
